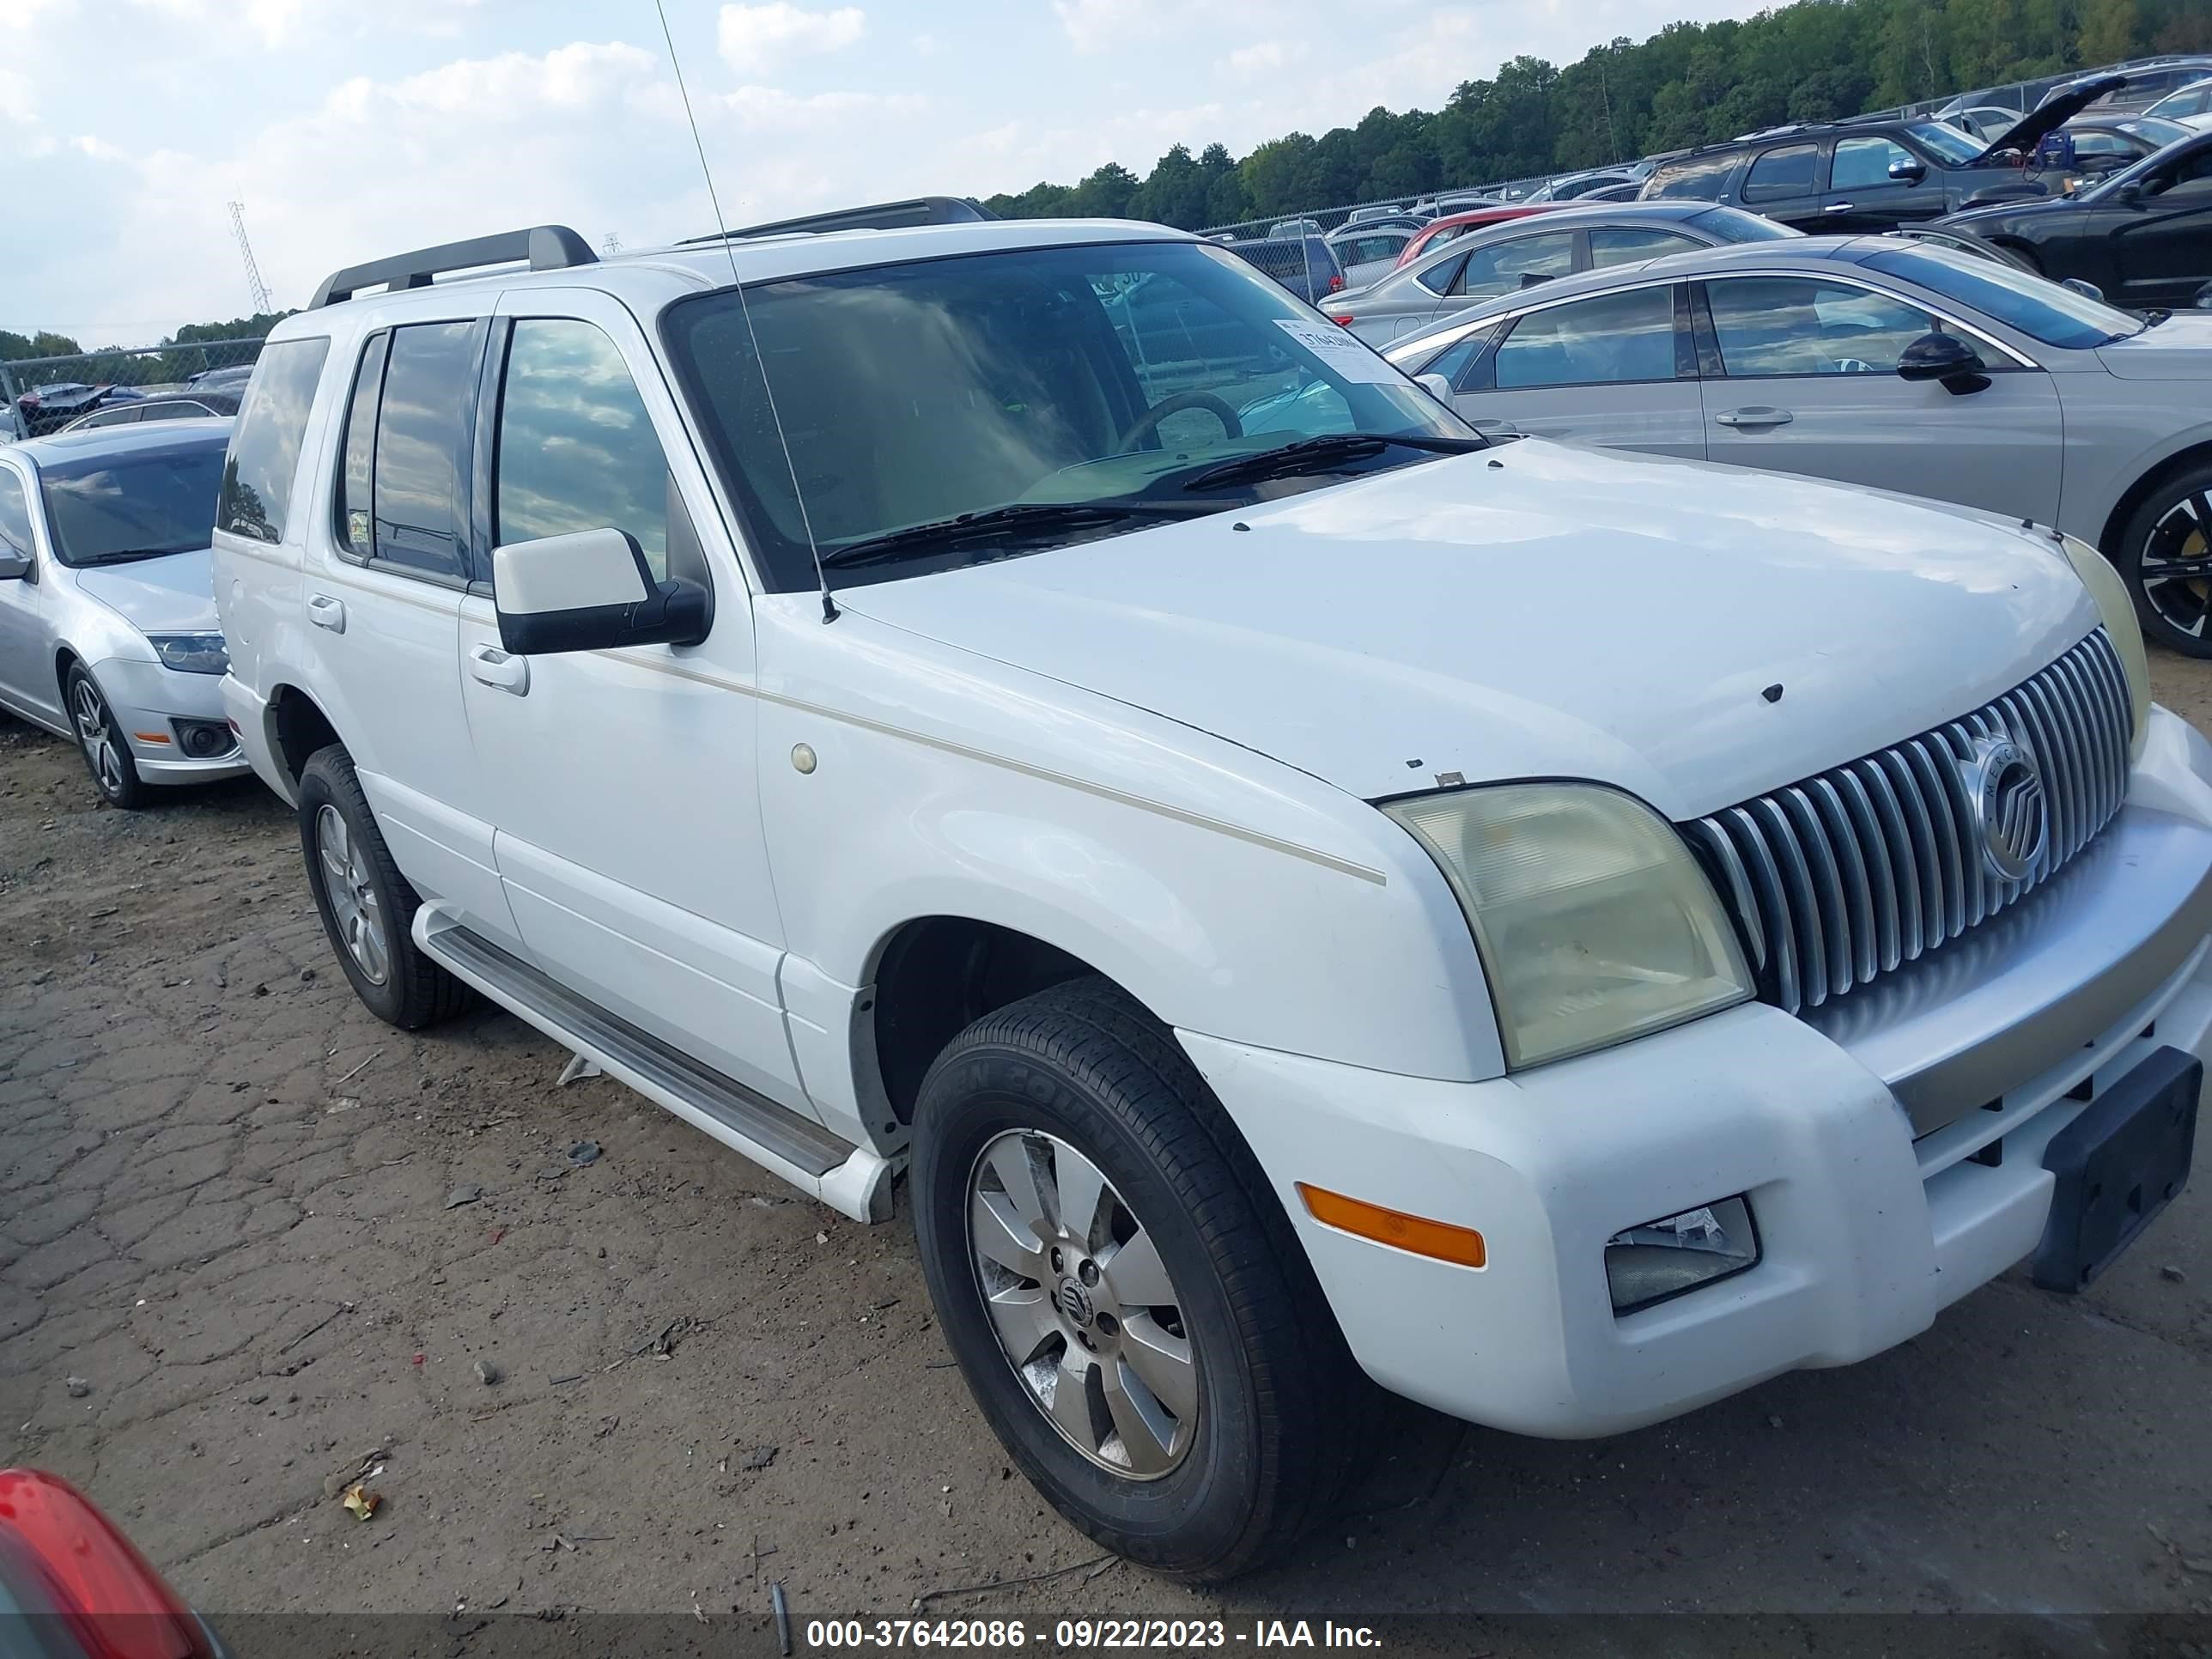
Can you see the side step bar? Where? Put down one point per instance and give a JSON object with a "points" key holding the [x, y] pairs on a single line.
{"points": [[854, 1180]]}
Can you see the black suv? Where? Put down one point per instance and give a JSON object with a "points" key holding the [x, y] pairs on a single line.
{"points": [[1857, 176]]}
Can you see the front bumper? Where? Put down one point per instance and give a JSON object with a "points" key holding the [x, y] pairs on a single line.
{"points": [[147, 699], [1867, 1232]]}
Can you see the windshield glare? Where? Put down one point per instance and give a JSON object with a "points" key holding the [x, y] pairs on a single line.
{"points": [[143, 500], [913, 393], [1949, 143], [2037, 307]]}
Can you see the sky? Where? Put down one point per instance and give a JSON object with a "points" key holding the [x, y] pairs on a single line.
{"points": [[350, 130]]}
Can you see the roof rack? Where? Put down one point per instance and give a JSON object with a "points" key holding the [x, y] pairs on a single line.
{"points": [[547, 247], [883, 215]]}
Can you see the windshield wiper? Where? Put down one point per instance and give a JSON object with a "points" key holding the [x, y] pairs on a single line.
{"points": [[126, 555], [1015, 520], [1320, 454]]}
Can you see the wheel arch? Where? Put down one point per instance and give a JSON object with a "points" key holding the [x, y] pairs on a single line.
{"points": [[297, 728], [2196, 452]]}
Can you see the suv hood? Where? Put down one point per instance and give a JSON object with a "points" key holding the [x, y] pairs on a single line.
{"points": [[2028, 132], [1546, 610], [172, 594], [2178, 349]]}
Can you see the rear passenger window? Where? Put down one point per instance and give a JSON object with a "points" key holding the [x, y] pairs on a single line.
{"points": [[15, 514], [1506, 267], [423, 426], [577, 450], [1625, 246], [1609, 339], [356, 524], [1439, 278], [264, 447], [1790, 171], [1700, 181]]}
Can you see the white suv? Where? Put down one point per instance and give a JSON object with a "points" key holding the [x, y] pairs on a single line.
{"points": [[1299, 893]]}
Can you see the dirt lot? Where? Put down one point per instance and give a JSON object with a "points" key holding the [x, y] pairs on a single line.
{"points": [[228, 1208]]}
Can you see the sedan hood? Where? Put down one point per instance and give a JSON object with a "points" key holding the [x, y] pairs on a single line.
{"points": [[172, 594], [1695, 635], [2178, 349], [2028, 132]]}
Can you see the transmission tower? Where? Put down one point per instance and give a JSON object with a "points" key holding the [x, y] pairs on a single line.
{"points": [[262, 303]]}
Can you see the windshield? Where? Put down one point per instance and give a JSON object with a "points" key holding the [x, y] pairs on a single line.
{"points": [[2154, 130], [2037, 307], [1108, 374], [1948, 143], [1734, 225], [101, 509]]}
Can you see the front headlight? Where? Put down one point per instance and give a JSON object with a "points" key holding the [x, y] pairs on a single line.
{"points": [[191, 654], [2118, 607], [1595, 923]]}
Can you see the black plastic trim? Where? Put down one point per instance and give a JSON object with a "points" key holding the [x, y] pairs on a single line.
{"points": [[545, 247]]}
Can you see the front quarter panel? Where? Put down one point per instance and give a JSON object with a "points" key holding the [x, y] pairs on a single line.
{"points": [[1228, 892]]}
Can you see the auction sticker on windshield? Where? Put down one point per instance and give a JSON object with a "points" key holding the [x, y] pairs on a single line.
{"points": [[1342, 350]]}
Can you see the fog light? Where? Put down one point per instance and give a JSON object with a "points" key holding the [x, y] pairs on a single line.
{"points": [[1678, 1253], [204, 739]]}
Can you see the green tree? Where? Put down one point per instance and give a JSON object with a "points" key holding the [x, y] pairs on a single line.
{"points": [[2108, 30]]}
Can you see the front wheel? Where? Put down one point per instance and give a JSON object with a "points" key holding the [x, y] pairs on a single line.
{"points": [[1123, 1293], [2166, 554], [366, 906], [100, 739]]}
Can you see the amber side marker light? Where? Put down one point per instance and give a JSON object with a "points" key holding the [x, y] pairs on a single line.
{"points": [[1462, 1246]]}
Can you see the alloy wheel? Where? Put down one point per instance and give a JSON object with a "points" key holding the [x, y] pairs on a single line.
{"points": [[97, 733], [1082, 1303], [2176, 567], [352, 893]]}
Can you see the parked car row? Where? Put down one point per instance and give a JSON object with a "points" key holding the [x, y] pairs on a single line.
{"points": [[1289, 883]]}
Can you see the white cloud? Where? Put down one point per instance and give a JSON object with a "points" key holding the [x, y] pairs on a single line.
{"points": [[775, 108], [22, 13], [751, 38], [1102, 25], [1265, 58]]}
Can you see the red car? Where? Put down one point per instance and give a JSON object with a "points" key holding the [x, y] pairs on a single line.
{"points": [[1437, 232]]}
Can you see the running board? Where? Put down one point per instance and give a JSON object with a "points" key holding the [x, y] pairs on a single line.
{"points": [[851, 1179]]}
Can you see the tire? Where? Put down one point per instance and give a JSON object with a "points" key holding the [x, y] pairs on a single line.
{"points": [[2173, 525], [366, 904], [106, 752], [1235, 1455]]}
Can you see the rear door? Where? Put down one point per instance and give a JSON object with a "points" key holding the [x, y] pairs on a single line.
{"points": [[1507, 267], [383, 581], [622, 783], [1617, 368], [1800, 375], [1862, 196], [1785, 182]]}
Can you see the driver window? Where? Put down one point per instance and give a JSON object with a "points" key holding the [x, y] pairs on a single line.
{"points": [[1778, 325], [2192, 174], [1178, 341], [1863, 163]]}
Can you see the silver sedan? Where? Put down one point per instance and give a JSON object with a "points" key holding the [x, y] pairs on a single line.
{"points": [[1517, 254], [1880, 362], [107, 622]]}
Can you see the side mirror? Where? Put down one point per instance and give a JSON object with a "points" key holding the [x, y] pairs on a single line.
{"points": [[1908, 172], [15, 564], [1534, 279], [591, 590], [1944, 357], [2130, 192], [1436, 387], [2086, 290]]}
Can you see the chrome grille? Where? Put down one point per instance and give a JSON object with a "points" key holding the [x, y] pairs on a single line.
{"points": [[1837, 879]]}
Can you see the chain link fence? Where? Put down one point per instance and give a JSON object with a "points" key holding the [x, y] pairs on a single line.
{"points": [[43, 394]]}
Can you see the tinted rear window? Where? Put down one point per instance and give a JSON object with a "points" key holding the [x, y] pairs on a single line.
{"points": [[135, 504], [265, 446], [422, 429], [1789, 170], [1699, 180]]}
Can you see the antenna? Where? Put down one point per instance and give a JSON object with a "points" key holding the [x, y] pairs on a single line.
{"points": [[722, 229], [262, 303]]}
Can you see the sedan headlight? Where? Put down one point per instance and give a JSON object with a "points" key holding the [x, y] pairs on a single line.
{"points": [[2118, 607], [1595, 922], [191, 654]]}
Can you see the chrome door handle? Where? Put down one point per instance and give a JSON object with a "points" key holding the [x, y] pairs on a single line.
{"points": [[500, 669], [1839, 207], [1753, 418], [324, 611]]}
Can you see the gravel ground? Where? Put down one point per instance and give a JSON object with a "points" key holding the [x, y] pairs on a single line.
{"points": [[273, 1242]]}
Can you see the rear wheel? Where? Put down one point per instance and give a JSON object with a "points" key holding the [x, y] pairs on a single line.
{"points": [[2166, 554], [366, 906], [1122, 1290], [100, 739]]}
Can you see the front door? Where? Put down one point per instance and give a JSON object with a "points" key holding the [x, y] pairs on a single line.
{"points": [[28, 683], [621, 782], [1804, 380], [1862, 197], [2162, 243], [1614, 369]]}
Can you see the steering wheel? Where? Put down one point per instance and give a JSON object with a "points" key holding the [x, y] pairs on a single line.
{"points": [[1149, 421]]}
